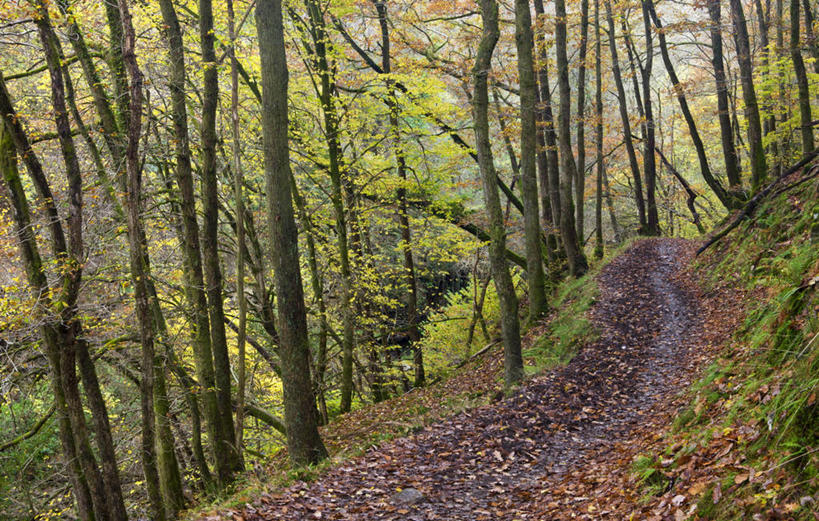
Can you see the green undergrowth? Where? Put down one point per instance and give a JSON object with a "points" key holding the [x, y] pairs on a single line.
{"points": [[749, 437], [569, 327]]}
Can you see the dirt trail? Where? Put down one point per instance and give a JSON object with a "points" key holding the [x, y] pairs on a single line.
{"points": [[516, 459]]}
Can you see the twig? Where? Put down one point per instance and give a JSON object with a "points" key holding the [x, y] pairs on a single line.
{"points": [[754, 202]]}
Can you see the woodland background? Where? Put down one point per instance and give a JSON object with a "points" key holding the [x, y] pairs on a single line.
{"points": [[141, 313]]}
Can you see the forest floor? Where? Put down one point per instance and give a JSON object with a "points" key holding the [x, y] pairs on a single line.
{"points": [[561, 446]]}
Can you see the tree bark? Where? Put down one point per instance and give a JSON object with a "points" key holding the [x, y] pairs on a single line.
{"points": [[805, 119], [238, 183], [191, 249], [510, 326], [229, 461], [71, 327], [726, 131], [598, 108], [524, 40], [303, 442], [574, 251], [39, 289], [649, 160], [624, 117], [138, 277], [759, 169], [548, 161], [580, 180]]}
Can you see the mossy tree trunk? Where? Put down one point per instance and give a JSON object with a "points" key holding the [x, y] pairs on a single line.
{"points": [[190, 243], [303, 442], [574, 251], [510, 325], [624, 118], [598, 108], [805, 119], [759, 168], [524, 40]]}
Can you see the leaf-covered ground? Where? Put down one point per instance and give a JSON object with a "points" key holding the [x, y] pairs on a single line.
{"points": [[561, 447]]}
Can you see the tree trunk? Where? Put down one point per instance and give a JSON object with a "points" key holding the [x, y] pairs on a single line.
{"points": [[580, 180], [726, 131], [135, 233], [303, 442], [649, 161], [238, 182], [39, 287], [71, 328], [812, 43], [624, 117], [191, 250], [806, 130], [317, 285], [524, 40], [548, 161], [510, 326], [759, 169], [229, 461], [574, 251], [598, 107]]}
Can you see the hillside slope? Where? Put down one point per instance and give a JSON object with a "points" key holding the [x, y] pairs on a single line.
{"points": [[694, 398], [519, 458]]}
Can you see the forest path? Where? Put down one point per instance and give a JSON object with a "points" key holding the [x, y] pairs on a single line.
{"points": [[546, 452]]}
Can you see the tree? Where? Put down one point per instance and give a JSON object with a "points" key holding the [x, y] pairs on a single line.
{"points": [[138, 275], [191, 250], [580, 181], [759, 168], [510, 325], [548, 161], [624, 117], [524, 40], [574, 252], [232, 460], [97, 490], [726, 131], [806, 127], [303, 442], [241, 246], [649, 162], [598, 108]]}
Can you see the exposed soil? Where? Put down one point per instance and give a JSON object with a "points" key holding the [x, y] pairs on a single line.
{"points": [[545, 452]]}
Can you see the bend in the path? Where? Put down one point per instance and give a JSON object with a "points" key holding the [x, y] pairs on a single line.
{"points": [[490, 462]]}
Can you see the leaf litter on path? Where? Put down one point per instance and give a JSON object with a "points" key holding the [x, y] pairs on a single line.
{"points": [[560, 446]]}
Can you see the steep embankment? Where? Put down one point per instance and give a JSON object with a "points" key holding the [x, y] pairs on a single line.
{"points": [[531, 455]]}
